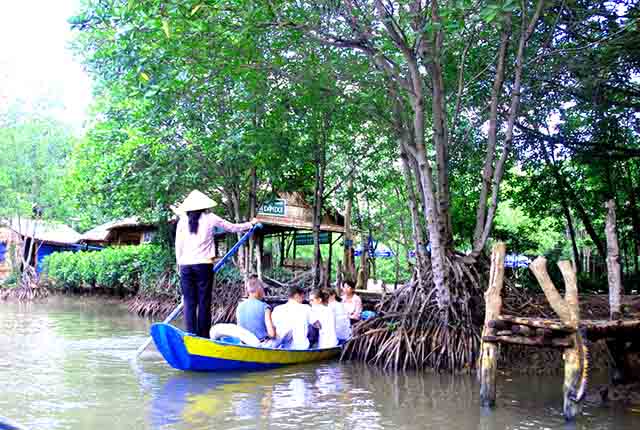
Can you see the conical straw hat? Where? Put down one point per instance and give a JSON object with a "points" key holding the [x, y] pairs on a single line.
{"points": [[196, 201]]}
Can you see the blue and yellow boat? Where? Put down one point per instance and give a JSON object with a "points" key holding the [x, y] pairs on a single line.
{"points": [[184, 351]]}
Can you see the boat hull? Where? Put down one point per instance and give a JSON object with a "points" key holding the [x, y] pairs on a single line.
{"points": [[184, 351]]}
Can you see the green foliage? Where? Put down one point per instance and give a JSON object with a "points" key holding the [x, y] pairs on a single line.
{"points": [[128, 269], [35, 150], [197, 94], [526, 235]]}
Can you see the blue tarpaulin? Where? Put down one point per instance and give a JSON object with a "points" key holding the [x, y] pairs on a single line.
{"points": [[510, 260], [50, 248], [376, 250], [516, 261], [3, 252]]}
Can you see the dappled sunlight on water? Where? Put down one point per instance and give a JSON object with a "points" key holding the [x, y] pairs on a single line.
{"points": [[65, 364]]}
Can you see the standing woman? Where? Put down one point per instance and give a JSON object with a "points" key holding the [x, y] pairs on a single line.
{"points": [[194, 254]]}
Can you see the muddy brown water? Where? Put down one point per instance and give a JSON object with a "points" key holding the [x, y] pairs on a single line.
{"points": [[65, 364]]}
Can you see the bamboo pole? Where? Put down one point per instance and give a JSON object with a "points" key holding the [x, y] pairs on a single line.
{"points": [[489, 350]]}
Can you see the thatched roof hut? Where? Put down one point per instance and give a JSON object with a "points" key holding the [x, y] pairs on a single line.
{"points": [[43, 231], [292, 212], [127, 231], [49, 237]]}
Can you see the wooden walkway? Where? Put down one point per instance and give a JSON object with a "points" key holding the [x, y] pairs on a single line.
{"points": [[554, 333]]}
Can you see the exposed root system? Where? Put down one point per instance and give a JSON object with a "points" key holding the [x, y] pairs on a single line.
{"points": [[155, 307], [410, 330], [28, 288]]}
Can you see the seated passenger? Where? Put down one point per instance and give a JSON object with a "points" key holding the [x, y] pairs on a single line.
{"points": [[352, 302], [294, 317], [320, 311], [343, 325], [254, 314]]}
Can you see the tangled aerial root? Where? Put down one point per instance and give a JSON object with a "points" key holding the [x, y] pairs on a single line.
{"points": [[411, 331], [152, 307], [28, 288]]}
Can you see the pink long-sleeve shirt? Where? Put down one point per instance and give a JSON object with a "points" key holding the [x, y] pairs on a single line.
{"points": [[198, 248]]}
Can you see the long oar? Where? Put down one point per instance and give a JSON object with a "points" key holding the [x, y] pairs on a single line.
{"points": [[217, 267]]}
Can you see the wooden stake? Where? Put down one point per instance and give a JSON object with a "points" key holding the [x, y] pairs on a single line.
{"points": [[493, 303], [569, 312], [572, 373]]}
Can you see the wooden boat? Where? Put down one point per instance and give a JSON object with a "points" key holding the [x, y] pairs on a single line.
{"points": [[184, 351]]}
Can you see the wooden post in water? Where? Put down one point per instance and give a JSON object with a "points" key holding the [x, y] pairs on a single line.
{"points": [[575, 364], [493, 304]]}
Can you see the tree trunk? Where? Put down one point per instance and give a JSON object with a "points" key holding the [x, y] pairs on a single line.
{"points": [[320, 166], [526, 30], [363, 271], [613, 264], [416, 227], [440, 137], [348, 263], [259, 254], [487, 170], [572, 235], [438, 251], [253, 190]]}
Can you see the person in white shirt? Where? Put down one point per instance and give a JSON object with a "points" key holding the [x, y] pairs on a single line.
{"points": [[294, 317], [343, 325], [321, 312]]}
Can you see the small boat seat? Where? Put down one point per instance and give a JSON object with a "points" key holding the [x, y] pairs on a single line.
{"points": [[228, 332]]}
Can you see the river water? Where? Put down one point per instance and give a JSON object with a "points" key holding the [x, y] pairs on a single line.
{"points": [[65, 364]]}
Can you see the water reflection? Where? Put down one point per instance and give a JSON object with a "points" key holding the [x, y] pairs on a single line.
{"points": [[324, 396], [350, 396], [300, 397]]}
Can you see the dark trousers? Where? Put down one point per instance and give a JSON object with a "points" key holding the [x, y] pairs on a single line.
{"points": [[196, 281]]}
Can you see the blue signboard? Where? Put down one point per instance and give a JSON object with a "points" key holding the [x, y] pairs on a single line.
{"points": [[3, 252]]}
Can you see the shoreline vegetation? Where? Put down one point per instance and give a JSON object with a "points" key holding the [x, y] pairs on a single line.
{"points": [[513, 358], [134, 275]]}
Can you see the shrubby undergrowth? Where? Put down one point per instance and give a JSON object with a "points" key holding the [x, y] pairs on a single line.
{"points": [[125, 270]]}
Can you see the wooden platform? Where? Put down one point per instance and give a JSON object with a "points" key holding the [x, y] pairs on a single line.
{"points": [[553, 332]]}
